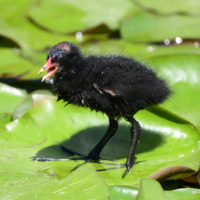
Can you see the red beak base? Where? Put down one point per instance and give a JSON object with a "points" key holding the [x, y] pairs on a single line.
{"points": [[52, 68]]}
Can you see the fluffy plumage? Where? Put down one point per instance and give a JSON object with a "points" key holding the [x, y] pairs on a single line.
{"points": [[115, 85]]}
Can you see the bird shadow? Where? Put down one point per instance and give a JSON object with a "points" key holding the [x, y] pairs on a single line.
{"points": [[117, 148]]}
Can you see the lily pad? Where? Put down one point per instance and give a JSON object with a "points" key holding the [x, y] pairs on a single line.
{"points": [[42, 130], [181, 70], [169, 7], [15, 26], [20, 185], [126, 193], [28, 35], [145, 27], [4, 119], [122, 192], [15, 66], [9, 10], [150, 190], [10, 98], [32, 100], [76, 16]]}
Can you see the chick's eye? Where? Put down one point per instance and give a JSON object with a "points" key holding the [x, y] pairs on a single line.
{"points": [[58, 55], [54, 58]]}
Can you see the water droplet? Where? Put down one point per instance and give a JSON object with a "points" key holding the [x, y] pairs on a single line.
{"points": [[166, 42], [196, 44], [178, 40], [79, 36], [150, 48]]}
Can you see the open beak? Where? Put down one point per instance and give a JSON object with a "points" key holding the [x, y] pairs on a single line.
{"points": [[52, 68]]}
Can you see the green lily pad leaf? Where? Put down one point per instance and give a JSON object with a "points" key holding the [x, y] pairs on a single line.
{"points": [[171, 6], [32, 182], [22, 108], [5, 118], [15, 26], [144, 27], [192, 160], [150, 190], [9, 10], [15, 66], [32, 100], [21, 185], [181, 70], [76, 16], [27, 35], [41, 131], [90, 187], [125, 192], [10, 98], [184, 194], [122, 192]]}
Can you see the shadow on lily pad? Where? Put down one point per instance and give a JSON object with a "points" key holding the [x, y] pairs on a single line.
{"points": [[117, 148]]}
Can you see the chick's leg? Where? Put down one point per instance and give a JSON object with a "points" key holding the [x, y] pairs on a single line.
{"points": [[134, 131], [112, 128]]}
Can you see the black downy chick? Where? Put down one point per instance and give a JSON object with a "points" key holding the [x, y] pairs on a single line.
{"points": [[115, 85]]}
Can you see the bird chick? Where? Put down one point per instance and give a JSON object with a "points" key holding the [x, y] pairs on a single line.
{"points": [[115, 85]]}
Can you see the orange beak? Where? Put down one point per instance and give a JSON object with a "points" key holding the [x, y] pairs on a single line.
{"points": [[52, 68]]}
